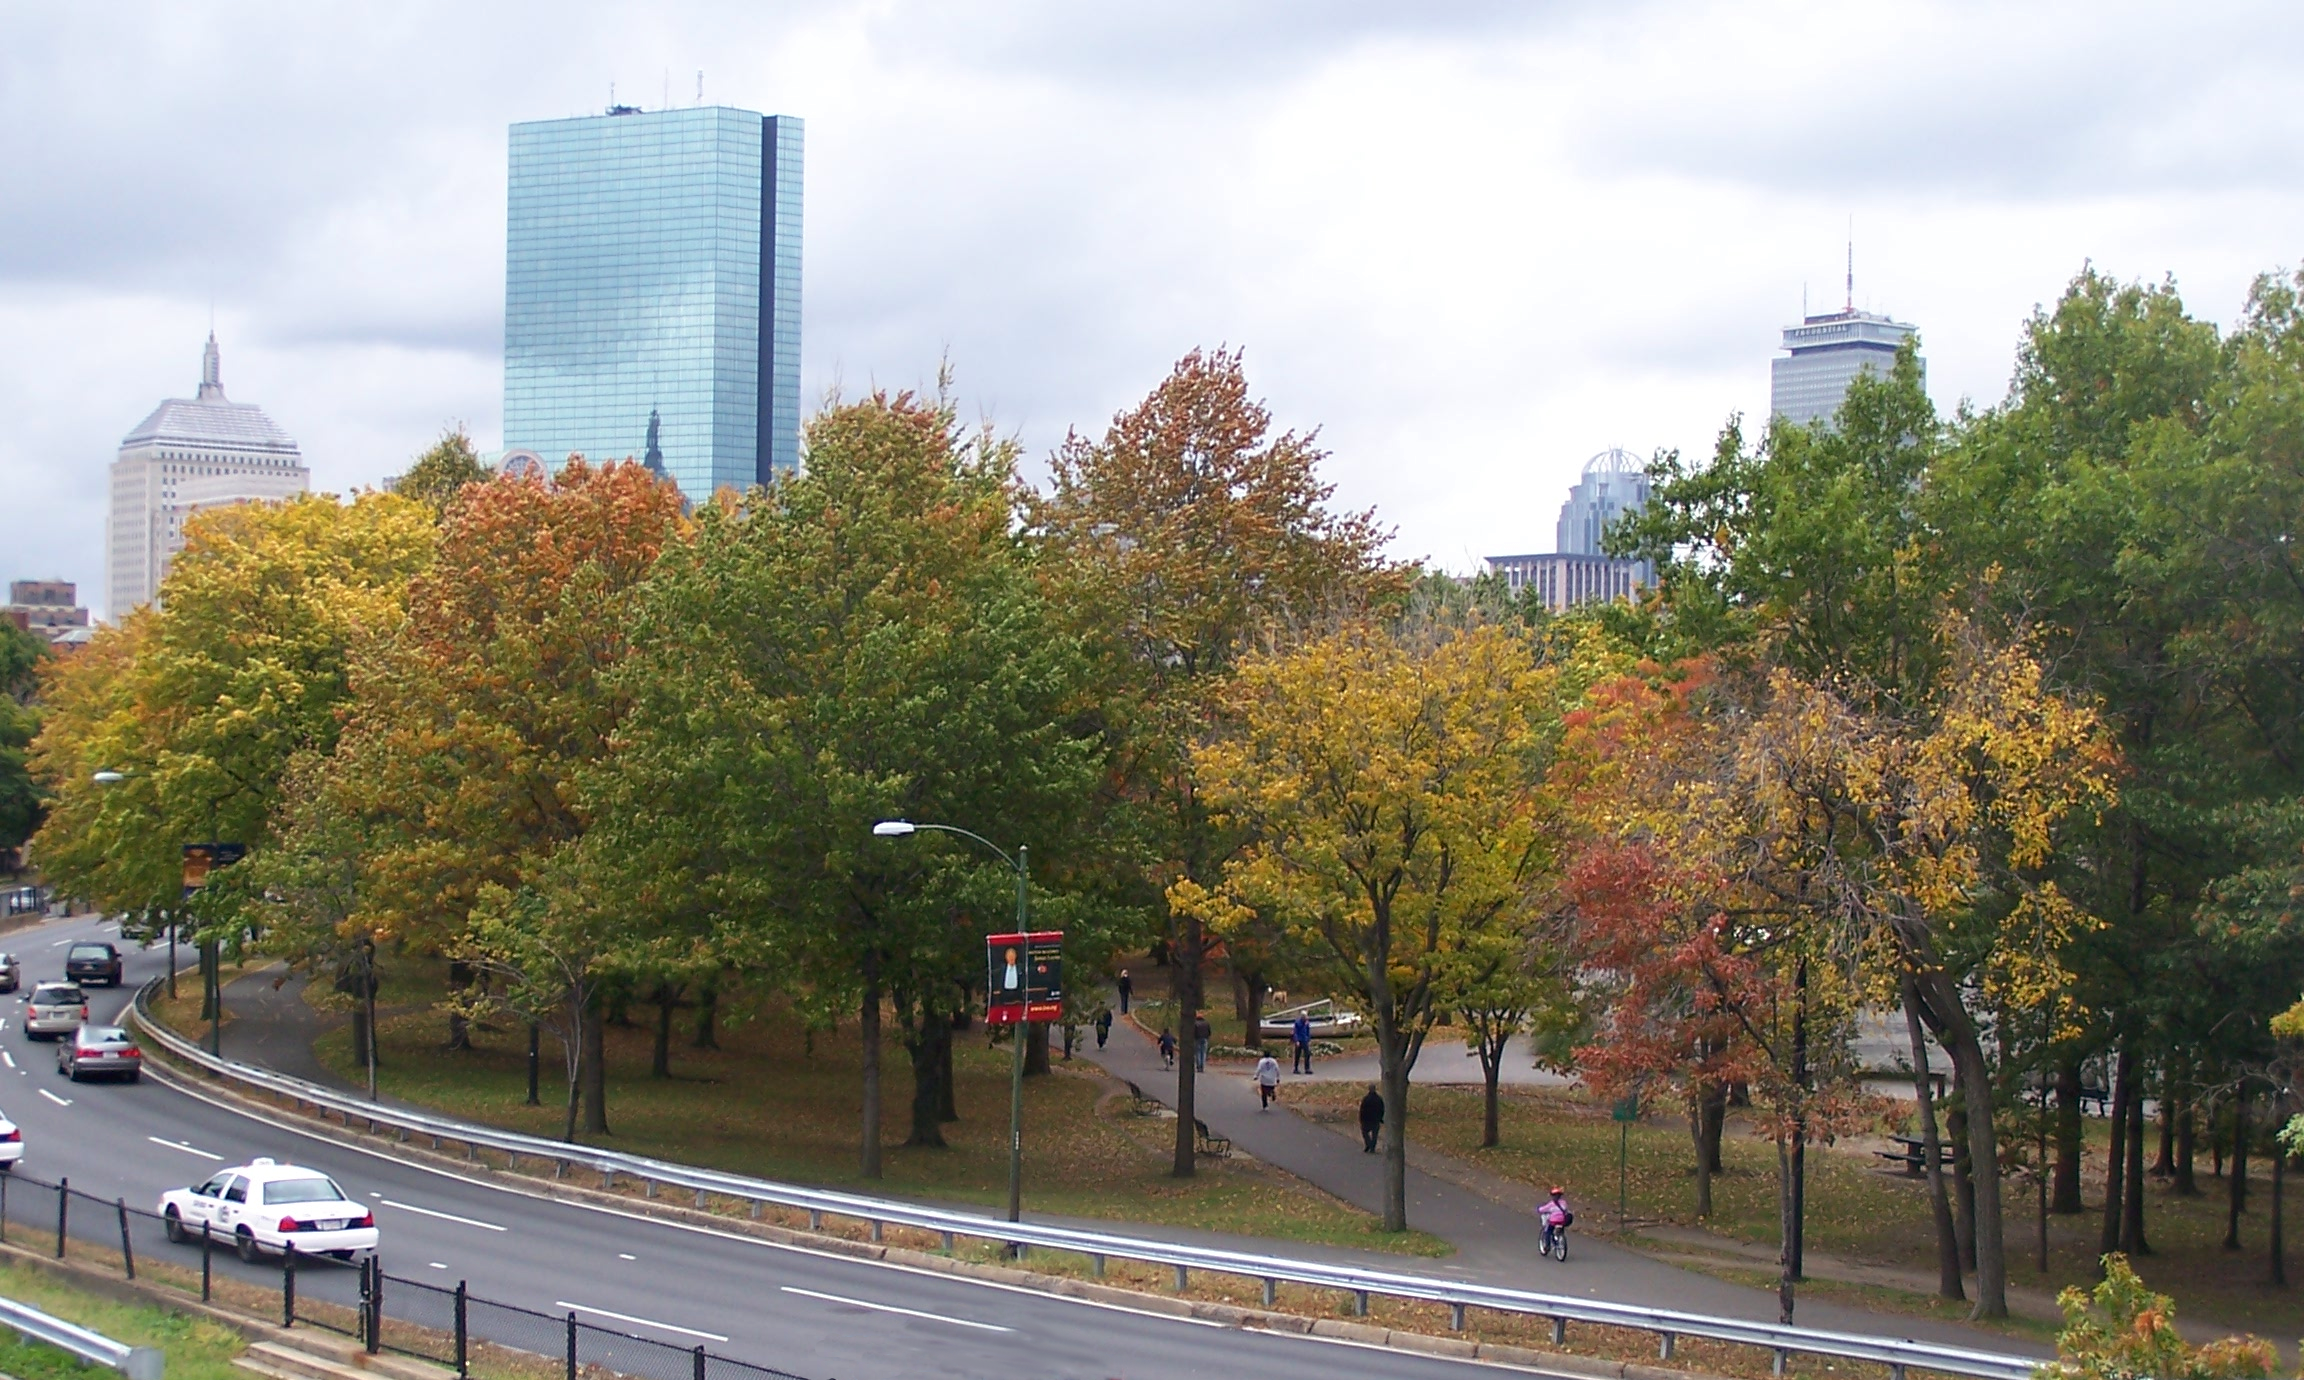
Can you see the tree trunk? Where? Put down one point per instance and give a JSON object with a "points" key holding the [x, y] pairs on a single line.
{"points": [[2238, 1202], [930, 1047], [1035, 1048], [868, 1030], [1796, 1255], [1184, 978], [2116, 1156], [1392, 1056], [1963, 1182], [1708, 1118], [1948, 1281], [2187, 1133], [2132, 1205], [1786, 1276], [360, 1035], [1253, 1019], [535, 1060], [1957, 1034], [2070, 1147], [707, 1019], [2279, 1238], [1491, 1070], [2164, 1160], [947, 1103], [459, 1027], [660, 1058], [595, 1063]]}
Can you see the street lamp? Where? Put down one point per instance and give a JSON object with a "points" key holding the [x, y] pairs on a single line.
{"points": [[1021, 865]]}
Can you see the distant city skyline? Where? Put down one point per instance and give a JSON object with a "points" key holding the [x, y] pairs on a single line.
{"points": [[1573, 224], [652, 292], [1826, 353]]}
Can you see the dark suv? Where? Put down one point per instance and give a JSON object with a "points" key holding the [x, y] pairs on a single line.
{"points": [[97, 962]]}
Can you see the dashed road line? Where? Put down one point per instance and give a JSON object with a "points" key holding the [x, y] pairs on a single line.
{"points": [[445, 1217], [892, 1308], [642, 1322], [59, 1101], [187, 1149]]}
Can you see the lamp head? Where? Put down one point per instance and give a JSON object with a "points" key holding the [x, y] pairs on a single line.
{"points": [[894, 828], [109, 778]]}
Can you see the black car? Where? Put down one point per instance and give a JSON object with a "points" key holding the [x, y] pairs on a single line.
{"points": [[92, 962]]}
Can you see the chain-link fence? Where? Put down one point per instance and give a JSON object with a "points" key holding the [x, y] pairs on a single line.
{"points": [[384, 1312]]}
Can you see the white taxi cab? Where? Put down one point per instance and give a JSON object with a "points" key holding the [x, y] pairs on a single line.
{"points": [[263, 1206]]}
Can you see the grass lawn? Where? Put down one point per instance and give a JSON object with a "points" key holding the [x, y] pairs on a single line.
{"points": [[196, 1348], [1855, 1211], [775, 1103]]}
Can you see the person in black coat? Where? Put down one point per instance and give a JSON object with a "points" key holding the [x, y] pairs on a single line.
{"points": [[1371, 1119]]}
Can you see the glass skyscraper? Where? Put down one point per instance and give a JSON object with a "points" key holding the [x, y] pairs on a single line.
{"points": [[1827, 353], [652, 293]]}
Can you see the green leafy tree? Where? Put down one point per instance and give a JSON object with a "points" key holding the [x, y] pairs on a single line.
{"points": [[439, 474], [870, 640], [21, 654]]}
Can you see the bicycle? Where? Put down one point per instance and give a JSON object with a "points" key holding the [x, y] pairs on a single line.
{"points": [[1555, 1240]]}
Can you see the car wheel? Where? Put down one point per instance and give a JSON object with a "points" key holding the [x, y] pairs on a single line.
{"points": [[174, 1224], [246, 1244]]}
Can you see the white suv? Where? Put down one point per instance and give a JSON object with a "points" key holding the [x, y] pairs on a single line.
{"points": [[262, 1206], [54, 1008]]}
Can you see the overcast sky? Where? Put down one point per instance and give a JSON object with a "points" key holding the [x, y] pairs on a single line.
{"points": [[1473, 243]]}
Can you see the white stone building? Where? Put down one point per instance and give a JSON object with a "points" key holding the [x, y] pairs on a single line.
{"points": [[205, 452]]}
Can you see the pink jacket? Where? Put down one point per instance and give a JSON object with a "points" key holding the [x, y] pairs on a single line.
{"points": [[1552, 1212]]}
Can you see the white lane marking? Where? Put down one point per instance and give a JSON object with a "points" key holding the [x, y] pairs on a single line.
{"points": [[437, 1265], [639, 1322], [626, 1255], [187, 1149], [59, 943], [892, 1308], [59, 1101], [4, 1054], [446, 1217]]}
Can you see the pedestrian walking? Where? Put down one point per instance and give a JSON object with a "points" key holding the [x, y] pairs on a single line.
{"points": [[1300, 1037], [1201, 1030], [1267, 1081], [1167, 1048], [1127, 986], [1371, 1119], [1103, 1026]]}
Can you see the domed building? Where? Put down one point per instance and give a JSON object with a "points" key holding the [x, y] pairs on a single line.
{"points": [[191, 453]]}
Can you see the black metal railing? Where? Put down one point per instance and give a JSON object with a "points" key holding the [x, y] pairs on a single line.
{"points": [[382, 1311]]}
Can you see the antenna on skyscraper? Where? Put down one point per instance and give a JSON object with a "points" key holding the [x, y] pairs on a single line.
{"points": [[1851, 264], [699, 86]]}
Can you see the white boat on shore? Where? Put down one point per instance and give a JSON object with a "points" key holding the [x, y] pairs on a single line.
{"points": [[1327, 1021]]}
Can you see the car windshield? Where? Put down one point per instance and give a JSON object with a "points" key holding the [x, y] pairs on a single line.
{"points": [[103, 1035], [89, 951], [58, 996], [302, 1191]]}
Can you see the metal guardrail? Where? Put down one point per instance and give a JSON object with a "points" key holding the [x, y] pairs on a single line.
{"points": [[135, 1362], [1667, 1325]]}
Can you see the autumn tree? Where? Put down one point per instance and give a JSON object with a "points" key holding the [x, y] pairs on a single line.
{"points": [[473, 721], [1178, 535], [1389, 781], [204, 703]]}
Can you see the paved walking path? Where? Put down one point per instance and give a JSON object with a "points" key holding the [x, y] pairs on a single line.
{"points": [[1490, 1223]]}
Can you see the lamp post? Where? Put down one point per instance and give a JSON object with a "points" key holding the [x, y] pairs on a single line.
{"points": [[1021, 865]]}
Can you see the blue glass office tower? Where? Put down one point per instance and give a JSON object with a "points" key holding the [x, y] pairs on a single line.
{"points": [[652, 293]]}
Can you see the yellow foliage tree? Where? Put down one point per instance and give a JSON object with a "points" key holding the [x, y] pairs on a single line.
{"points": [[1391, 780]]}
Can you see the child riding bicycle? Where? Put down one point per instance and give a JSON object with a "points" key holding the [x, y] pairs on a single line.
{"points": [[1554, 1214]]}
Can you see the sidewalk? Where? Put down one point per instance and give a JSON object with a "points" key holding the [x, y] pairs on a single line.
{"points": [[1491, 1226]]}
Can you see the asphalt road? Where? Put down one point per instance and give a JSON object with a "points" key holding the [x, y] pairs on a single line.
{"points": [[822, 1316]]}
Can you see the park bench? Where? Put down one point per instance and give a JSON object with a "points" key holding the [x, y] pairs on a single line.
{"points": [[1913, 1155], [1138, 1102], [1210, 1142]]}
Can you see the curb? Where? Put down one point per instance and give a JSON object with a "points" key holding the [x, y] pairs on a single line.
{"points": [[1233, 1315]]}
